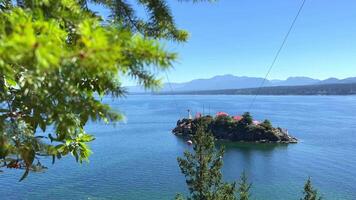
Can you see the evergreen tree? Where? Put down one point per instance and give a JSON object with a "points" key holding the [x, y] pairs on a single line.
{"points": [[179, 197], [246, 118], [267, 124], [58, 59], [202, 170], [244, 187], [309, 192]]}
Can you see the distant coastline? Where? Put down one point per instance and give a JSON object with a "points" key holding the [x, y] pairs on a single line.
{"points": [[326, 89], [242, 85], [231, 82]]}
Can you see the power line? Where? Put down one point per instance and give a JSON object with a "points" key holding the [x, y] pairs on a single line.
{"points": [[170, 87], [278, 52]]}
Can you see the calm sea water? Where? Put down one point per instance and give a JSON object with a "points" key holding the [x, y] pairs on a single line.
{"points": [[137, 159]]}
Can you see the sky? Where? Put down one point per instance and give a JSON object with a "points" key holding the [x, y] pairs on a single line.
{"points": [[241, 37]]}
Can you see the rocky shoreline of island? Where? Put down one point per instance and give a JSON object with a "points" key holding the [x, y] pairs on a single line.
{"points": [[234, 128]]}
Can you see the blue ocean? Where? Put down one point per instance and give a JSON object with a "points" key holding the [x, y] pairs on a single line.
{"points": [[137, 158]]}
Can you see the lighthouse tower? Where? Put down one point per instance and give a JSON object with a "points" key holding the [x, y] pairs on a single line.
{"points": [[189, 114]]}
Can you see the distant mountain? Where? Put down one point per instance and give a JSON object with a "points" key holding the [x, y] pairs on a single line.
{"points": [[214, 83], [300, 80], [348, 80], [338, 81], [329, 81], [223, 82]]}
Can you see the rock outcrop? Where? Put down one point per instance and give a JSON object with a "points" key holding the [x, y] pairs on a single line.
{"points": [[226, 128]]}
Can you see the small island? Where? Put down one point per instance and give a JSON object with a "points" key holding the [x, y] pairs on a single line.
{"points": [[234, 128]]}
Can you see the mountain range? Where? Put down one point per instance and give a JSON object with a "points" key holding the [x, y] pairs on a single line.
{"points": [[228, 81]]}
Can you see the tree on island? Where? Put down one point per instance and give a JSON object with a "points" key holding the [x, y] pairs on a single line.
{"points": [[309, 192], [247, 118], [58, 58], [202, 170], [267, 124]]}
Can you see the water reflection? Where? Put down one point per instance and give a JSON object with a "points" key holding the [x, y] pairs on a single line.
{"points": [[249, 146]]}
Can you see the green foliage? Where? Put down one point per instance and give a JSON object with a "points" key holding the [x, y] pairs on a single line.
{"points": [[160, 23], [246, 118], [58, 59], [179, 197], [244, 187], [204, 120], [267, 124], [227, 128], [202, 170], [223, 120], [309, 192]]}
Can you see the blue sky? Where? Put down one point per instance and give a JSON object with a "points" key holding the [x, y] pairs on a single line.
{"points": [[241, 37]]}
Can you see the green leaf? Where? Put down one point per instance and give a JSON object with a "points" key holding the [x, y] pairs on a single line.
{"points": [[10, 82], [56, 56]]}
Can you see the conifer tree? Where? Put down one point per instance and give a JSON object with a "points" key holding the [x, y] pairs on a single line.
{"points": [[267, 124], [58, 58], [246, 118], [309, 192], [202, 170], [244, 187]]}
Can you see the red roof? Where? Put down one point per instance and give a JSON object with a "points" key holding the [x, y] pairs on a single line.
{"points": [[222, 114], [237, 118]]}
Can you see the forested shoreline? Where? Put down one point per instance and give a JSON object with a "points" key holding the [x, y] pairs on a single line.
{"points": [[325, 89]]}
